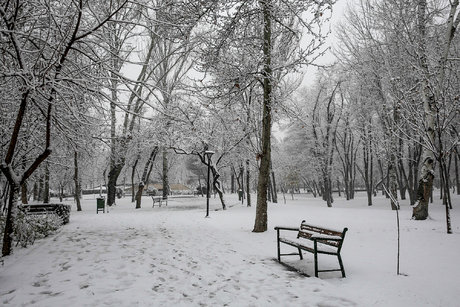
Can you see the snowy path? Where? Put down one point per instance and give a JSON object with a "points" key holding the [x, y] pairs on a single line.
{"points": [[173, 256], [147, 258]]}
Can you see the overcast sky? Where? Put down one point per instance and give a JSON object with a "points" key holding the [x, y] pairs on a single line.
{"points": [[328, 58]]}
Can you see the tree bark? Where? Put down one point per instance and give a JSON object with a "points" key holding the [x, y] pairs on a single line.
{"points": [[40, 188], [457, 177], [133, 172], [114, 172], [274, 192], [76, 179], [9, 222], [248, 191], [420, 211], [35, 191], [145, 175], [261, 221], [165, 174], [46, 186], [24, 199]]}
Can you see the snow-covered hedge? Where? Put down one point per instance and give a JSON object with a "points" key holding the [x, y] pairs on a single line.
{"points": [[29, 227]]}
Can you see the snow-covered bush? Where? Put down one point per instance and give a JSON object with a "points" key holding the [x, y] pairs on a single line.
{"points": [[29, 227], [64, 212]]}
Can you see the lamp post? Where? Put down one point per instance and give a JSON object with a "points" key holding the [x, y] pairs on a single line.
{"points": [[208, 154]]}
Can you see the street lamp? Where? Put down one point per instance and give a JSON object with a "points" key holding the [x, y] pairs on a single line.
{"points": [[208, 154]]}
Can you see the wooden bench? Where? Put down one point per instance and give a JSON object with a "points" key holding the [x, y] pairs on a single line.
{"points": [[313, 239], [63, 211], [159, 200]]}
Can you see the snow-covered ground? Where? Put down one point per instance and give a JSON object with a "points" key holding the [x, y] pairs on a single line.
{"points": [[173, 256]]}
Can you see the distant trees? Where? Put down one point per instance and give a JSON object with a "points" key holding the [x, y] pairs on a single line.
{"points": [[393, 57], [381, 42]]}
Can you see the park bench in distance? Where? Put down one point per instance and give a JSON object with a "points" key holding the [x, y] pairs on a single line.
{"points": [[159, 200], [316, 240], [61, 210]]}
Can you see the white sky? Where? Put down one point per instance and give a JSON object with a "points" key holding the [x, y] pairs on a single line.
{"points": [[337, 16]]}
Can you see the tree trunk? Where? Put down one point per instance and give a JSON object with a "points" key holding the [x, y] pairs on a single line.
{"points": [[242, 187], [145, 176], [269, 189], [24, 199], [9, 221], [139, 192], [216, 183], [367, 159], [446, 200], [441, 183], [114, 172], [457, 177], [40, 188], [133, 172], [274, 192], [261, 221], [165, 174], [46, 187], [338, 188], [35, 191], [76, 179], [61, 192], [327, 195], [420, 211], [393, 184], [248, 190]]}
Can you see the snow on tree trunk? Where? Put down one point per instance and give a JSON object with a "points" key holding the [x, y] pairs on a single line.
{"points": [[425, 184], [420, 211]]}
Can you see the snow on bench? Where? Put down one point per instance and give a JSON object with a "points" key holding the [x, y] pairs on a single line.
{"points": [[313, 239]]}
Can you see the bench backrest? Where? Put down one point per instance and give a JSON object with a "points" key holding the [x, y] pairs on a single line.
{"points": [[306, 231]]}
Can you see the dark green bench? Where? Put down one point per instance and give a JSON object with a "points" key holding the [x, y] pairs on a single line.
{"points": [[314, 239]]}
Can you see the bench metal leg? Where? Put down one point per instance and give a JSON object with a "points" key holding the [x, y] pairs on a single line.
{"points": [[341, 266], [300, 254], [278, 240], [316, 260]]}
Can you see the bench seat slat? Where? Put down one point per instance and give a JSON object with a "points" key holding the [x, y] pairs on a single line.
{"points": [[309, 245]]}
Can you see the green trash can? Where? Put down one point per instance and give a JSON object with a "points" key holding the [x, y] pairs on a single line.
{"points": [[100, 205], [240, 194]]}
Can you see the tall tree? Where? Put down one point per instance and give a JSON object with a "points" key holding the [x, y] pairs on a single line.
{"points": [[431, 91]]}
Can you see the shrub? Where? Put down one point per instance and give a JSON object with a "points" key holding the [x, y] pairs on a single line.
{"points": [[29, 227]]}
